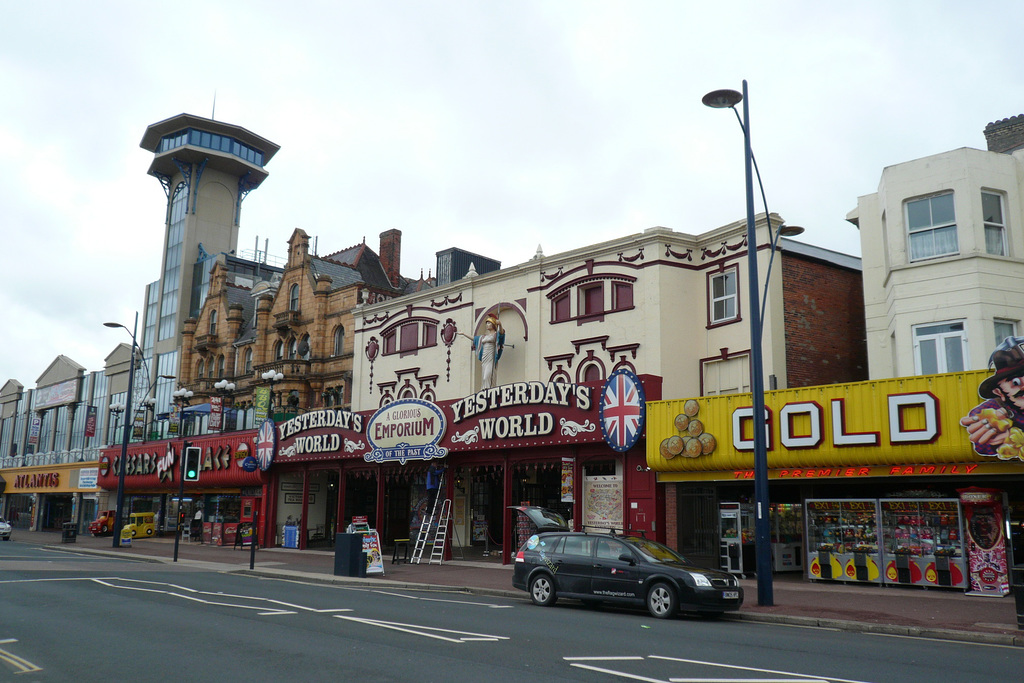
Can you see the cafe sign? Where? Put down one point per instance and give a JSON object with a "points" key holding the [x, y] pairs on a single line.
{"points": [[408, 429]]}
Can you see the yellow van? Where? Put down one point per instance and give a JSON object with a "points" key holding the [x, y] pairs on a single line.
{"points": [[141, 525]]}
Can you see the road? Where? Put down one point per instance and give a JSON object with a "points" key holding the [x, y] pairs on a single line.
{"points": [[65, 615]]}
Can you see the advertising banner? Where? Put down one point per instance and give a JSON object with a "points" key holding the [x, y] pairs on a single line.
{"points": [[216, 413]]}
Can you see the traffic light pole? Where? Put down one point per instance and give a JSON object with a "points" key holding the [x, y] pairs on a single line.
{"points": [[181, 495]]}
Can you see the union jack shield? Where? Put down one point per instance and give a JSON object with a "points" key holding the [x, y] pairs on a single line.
{"points": [[623, 410]]}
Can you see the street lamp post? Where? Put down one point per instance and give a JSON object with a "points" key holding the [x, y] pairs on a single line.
{"points": [[182, 397], [721, 99], [118, 520], [272, 376]]}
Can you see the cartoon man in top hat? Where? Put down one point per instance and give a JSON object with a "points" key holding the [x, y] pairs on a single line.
{"points": [[996, 426]]}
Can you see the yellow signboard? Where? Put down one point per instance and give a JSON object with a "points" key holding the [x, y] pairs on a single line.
{"points": [[904, 421]]}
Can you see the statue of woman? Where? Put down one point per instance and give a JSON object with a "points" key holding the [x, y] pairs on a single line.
{"points": [[488, 347]]}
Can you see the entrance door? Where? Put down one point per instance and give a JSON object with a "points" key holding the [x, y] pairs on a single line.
{"points": [[641, 517]]}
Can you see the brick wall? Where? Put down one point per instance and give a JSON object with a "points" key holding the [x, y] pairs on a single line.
{"points": [[825, 331], [1005, 136]]}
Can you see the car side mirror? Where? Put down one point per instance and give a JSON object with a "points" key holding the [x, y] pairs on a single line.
{"points": [[627, 557]]}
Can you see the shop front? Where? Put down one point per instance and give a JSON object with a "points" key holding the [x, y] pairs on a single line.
{"points": [[230, 490], [871, 482], [46, 497], [529, 443]]}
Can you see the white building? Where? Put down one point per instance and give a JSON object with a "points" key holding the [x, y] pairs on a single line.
{"points": [[947, 283]]}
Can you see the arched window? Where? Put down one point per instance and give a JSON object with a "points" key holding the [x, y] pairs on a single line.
{"points": [[305, 348], [200, 366], [279, 350], [213, 322], [592, 373], [292, 352], [248, 361], [220, 366], [339, 340], [293, 298]]}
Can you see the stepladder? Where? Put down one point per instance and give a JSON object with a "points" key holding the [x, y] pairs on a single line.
{"points": [[441, 533], [429, 526]]}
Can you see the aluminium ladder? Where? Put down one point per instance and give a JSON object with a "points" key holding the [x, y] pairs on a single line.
{"points": [[424, 535]]}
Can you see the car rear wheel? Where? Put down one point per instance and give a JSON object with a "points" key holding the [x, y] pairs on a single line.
{"points": [[542, 590], [661, 600]]}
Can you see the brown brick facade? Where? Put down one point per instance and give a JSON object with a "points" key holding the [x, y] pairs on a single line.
{"points": [[824, 314]]}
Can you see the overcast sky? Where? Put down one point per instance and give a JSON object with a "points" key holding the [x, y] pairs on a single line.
{"points": [[494, 127]]}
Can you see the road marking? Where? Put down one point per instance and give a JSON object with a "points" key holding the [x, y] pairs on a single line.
{"points": [[801, 676], [194, 595], [601, 659], [455, 602], [579, 662], [427, 631], [23, 666]]}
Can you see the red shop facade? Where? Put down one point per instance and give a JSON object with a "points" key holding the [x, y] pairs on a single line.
{"points": [[225, 496], [531, 443]]}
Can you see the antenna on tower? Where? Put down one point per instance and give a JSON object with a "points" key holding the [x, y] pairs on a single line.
{"points": [[213, 114]]}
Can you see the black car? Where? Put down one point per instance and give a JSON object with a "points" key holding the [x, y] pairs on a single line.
{"points": [[628, 570]]}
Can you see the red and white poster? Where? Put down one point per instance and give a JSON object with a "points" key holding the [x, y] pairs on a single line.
{"points": [[987, 567], [216, 413]]}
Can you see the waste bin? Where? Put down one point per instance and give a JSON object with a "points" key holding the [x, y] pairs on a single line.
{"points": [[69, 534], [1017, 586], [349, 558]]}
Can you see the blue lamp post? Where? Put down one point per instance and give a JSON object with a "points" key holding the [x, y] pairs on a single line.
{"points": [[119, 518], [722, 99]]}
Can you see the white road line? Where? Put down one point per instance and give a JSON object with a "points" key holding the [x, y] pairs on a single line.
{"points": [[751, 668], [601, 659], [454, 602], [23, 666], [632, 677], [427, 631]]}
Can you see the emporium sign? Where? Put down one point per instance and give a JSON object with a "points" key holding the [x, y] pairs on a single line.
{"points": [[407, 429]]}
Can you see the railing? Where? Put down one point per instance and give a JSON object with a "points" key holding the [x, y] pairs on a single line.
{"points": [[51, 458]]}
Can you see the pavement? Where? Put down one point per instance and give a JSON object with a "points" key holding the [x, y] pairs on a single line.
{"points": [[896, 610]]}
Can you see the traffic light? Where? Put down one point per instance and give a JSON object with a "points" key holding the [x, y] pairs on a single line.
{"points": [[192, 463]]}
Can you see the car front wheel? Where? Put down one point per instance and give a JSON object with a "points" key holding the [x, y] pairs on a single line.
{"points": [[542, 590], [661, 601]]}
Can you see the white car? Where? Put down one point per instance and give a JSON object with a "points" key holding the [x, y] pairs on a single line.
{"points": [[5, 529]]}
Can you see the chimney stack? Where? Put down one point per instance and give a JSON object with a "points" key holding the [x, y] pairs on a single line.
{"points": [[1005, 136], [391, 255]]}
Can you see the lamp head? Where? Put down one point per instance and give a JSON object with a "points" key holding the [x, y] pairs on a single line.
{"points": [[112, 325], [722, 99], [790, 230]]}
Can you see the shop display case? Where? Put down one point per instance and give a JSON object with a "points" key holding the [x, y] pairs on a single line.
{"points": [[787, 528], [923, 542], [842, 540]]}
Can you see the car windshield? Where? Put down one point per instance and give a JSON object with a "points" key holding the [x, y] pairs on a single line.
{"points": [[545, 517], [654, 551]]}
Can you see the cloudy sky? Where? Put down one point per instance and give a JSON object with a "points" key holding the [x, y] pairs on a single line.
{"points": [[495, 127]]}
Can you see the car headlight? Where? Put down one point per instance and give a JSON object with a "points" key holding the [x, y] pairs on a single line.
{"points": [[701, 580]]}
